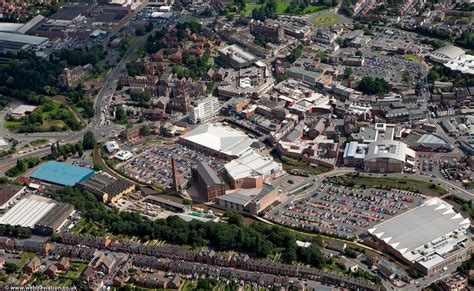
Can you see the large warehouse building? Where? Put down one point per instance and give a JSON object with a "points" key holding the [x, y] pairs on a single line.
{"points": [[219, 140], [42, 215], [446, 54], [13, 42], [429, 237], [432, 143], [62, 174], [389, 156]]}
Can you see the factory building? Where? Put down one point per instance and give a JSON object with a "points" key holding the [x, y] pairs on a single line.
{"points": [[62, 174], [206, 181], [251, 170], [429, 237], [44, 216], [106, 188]]}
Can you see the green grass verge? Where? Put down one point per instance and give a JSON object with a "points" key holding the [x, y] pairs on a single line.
{"points": [[414, 58], [353, 179], [38, 142], [289, 164], [325, 20], [25, 257], [470, 185]]}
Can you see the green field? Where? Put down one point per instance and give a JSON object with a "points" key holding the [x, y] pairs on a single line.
{"points": [[414, 185], [414, 58], [325, 20], [49, 115], [281, 8], [289, 164]]}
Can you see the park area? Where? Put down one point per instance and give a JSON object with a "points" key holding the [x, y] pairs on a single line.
{"points": [[50, 116], [282, 7], [325, 19]]}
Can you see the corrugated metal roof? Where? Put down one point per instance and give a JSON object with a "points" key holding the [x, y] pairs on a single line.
{"points": [[62, 173], [26, 212]]}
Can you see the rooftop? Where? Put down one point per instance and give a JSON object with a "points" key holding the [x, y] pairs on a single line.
{"points": [[61, 173], [21, 38], [207, 174], [220, 138], [27, 212], [237, 54], [433, 140], [251, 164], [388, 149], [426, 226]]}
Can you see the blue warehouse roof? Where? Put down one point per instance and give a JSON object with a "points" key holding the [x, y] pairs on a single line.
{"points": [[62, 173]]}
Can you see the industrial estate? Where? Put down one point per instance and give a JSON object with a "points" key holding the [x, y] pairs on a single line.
{"points": [[236, 145]]}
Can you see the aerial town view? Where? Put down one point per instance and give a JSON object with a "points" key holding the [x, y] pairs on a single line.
{"points": [[237, 145]]}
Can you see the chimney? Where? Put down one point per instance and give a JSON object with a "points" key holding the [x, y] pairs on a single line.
{"points": [[175, 175]]}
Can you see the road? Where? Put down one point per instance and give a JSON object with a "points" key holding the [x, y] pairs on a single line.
{"points": [[110, 84]]}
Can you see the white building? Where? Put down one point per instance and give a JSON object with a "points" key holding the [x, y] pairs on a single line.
{"points": [[389, 156], [204, 109], [446, 54], [429, 237], [216, 139]]}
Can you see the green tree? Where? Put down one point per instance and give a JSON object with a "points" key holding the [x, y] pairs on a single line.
{"points": [[373, 86], [10, 268], [89, 141], [140, 30], [119, 113], [98, 167], [433, 76], [234, 218], [348, 72]]}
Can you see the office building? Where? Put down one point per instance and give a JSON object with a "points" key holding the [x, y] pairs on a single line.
{"points": [[204, 109]]}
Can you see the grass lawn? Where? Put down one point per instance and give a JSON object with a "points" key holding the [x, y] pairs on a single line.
{"points": [[420, 186], [470, 185], [250, 7], [13, 125], [25, 257], [281, 6], [325, 20], [289, 163], [38, 142], [188, 285], [414, 58], [47, 125], [75, 270]]}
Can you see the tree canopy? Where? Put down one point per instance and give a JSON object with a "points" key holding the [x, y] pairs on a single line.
{"points": [[256, 239], [373, 86]]}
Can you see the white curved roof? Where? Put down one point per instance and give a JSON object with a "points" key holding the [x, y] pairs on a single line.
{"points": [[220, 138], [432, 141], [390, 149], [449, 52]]}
